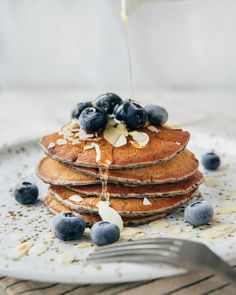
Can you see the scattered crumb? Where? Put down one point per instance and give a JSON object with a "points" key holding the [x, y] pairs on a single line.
{"points": [[38, 249]]}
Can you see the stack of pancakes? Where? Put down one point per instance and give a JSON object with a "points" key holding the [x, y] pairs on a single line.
{"points": [[144, 184]]}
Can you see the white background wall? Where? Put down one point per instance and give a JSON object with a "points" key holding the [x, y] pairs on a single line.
{"points": [[80, 44]]}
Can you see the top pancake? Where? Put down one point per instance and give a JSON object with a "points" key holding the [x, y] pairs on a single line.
{"points": [[162, 146]]}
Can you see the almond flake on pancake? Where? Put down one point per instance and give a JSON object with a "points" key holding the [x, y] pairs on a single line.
{"points": [[83, 135], [140, 137], [76, 198], [146, 202], [61, 141], [97, 149], [51, 145], [116, 136], [20, 250], [153, 128], [109, 214], [75, 141]]}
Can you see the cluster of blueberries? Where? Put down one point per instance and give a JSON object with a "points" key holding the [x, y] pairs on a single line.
{"points": [[93, 116]]}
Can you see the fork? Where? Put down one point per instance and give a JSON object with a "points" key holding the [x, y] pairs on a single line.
{"points": [[177, 252]]}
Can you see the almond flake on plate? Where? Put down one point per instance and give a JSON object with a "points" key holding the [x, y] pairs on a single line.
{"points": [[159, 225], [211, 181], [83, 245], [229, 208], [152, 128], [218, 230], [66, 257], [109, 214], [76, 198], [97, 149], [20, 250], [128, 233], [51, 145], [140, 137], [38, 249], [19, 236], [49, 236], [61, 141], [146, 202]]}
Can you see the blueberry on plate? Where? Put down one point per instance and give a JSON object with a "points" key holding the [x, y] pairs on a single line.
{"points": [[211, 161], [199, 213], [92, 120], [105, 233], [131, 114], [78, 109], [26, 193], [107, 102], [68, 226], [157, 115]]}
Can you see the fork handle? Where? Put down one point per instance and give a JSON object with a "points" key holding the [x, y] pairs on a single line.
{"points": [[227, 272]]}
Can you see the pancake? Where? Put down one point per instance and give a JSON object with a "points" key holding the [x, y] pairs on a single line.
{"points": [[52, 172], [162, 146], [155, 190], [56, 207], [125, 207], [181, 167]]}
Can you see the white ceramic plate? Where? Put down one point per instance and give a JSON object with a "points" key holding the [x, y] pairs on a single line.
{"points": [[32, 223]]}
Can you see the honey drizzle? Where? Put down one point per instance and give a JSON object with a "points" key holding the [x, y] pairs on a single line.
{"points": [[125, 21], [103, 165]]}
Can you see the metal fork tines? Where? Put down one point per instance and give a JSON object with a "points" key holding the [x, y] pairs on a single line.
{"points": [[181, 253]]}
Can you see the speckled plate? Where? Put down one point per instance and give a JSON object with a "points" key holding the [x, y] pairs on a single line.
{"points": [[32, 223]]}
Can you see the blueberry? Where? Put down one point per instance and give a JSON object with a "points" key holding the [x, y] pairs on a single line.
{"points": [[78, 109], [108, 102], [26, 193], [68, 226], [105, 233], [198, 213], [93, 120], [131, 114], [211, 161], [157, 116]]}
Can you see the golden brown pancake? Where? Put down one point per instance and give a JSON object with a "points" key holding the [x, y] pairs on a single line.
{"points": [[125, 207], [162, 146], [55, 207], [181, 167], [154, 190], [53, 172]]}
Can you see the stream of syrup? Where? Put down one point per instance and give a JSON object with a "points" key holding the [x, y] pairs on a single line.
{"points": [[125, 21]]}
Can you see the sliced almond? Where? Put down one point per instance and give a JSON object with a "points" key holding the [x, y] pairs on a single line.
{"points": [[38, 249], [83, 135], [159, 225], [51, 145], [140, 137], [76, 198], [152, 128], [20, 250], [116, 136], [128, 233], [61, 141], [66, 257], [146, 202], [83, 245], [97, 149], [229, 208], [109, 214], [211, 181]]}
